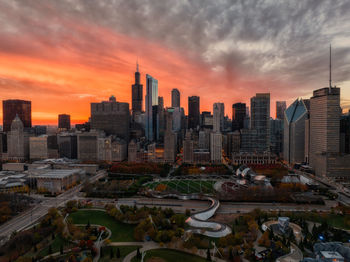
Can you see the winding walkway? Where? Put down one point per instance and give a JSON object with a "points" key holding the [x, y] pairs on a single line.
{"points": [[198, 221]]}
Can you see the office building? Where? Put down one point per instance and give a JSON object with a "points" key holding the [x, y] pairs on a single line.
{"points": [[111, 149], [206, 120], [64, 122], [215, 147], [43, 147], [112, 117], [170, 140], [67, 145], [161, 119], [193, 112], [220, 111], [188, 147], [238, 116], [17, 141], [295, 119], [276, 136], [137, 93], [233, 144], [88, 145], [260, 120], [280, 108], [248, 140], [345, 133], [175, 98], [11, 108], [151, 126]]}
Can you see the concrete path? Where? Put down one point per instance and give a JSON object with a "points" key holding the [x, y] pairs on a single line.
{"points": [[295, 255]]}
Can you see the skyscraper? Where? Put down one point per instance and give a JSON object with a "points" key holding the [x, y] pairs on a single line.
{"points": [[137, 93], [260, 120], [216, 117], [11, 108], [112, 117], [221, 115], [193, 112], [280, 108], [64, 121], [238, 116], [151, 107], [17, 141], [175, 98], [294, 131]]}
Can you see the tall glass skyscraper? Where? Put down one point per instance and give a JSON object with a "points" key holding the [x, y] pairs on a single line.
{"points": [[151, 107]]}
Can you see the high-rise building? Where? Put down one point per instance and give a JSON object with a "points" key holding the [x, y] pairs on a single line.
{"points": [[43, 147], [193, 112], [137, 93], [151, 126], [111, 117], [188, 147], [175, 98], [238, 116], [280, 108], [215, 147], [17, 141], [161, 120], [295, 117], [219, 118], [216, 117], [11, 108], [206, 120], [88, 145], [170, 143], [67, 145], [276, 136], [260, 120], [64, 121]]}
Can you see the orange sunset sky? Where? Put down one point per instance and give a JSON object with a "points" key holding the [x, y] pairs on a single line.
{"points": [[62, 55]]}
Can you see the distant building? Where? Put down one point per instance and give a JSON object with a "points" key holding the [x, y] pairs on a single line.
{"points": [[193, 112], [59, 180], [280, 108], [238, 116], [260, 120], [188, 147], [161, 119], [175, 98], [215, 147], [201, 156], [218, 118], [67, 145], [170, 140], [111, 149], [253, 158], [152, 124], [112, 117], [43, 147], [133, 148], [295, 117], [204, 139], [207, 120], [248, 140], [88, 145], [11, 108], [64, 122], [276, 136], [345, 134], [40, 130], [137, 93], [17, 141], [233, 143]]}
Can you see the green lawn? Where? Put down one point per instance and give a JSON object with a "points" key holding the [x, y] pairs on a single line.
{"points": [[171, 256], [187, 186], [55, 245], [120, 232], [124, 250]]}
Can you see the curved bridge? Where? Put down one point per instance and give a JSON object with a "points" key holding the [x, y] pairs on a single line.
{"points": [[198, 221]]}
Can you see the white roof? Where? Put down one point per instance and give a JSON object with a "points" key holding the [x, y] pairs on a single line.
{"points": [[331, 254], [59, 173]]}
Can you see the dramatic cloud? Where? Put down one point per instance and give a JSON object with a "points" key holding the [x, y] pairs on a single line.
{"points": [[63, 55]]}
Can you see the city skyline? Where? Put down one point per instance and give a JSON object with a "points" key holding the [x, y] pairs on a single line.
{"points": [[86, 54]]}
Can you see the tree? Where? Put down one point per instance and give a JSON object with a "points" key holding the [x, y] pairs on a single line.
{"points": [[138, 254], [118, 252], [50, 249], [53, 236], [61, 249], [87, 225], [35, 249], [101, 252], [208, 255], [111, 254]]}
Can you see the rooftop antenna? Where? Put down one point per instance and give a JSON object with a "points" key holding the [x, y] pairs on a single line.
{"points": [[137, 64], [330, 66]]}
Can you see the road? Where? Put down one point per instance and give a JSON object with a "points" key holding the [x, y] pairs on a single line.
{"points": [[32, 215], [225, 207]]}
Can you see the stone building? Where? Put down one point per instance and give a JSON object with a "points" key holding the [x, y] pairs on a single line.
{"points": [[17, 141]]}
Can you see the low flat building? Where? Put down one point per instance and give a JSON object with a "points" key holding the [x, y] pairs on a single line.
{"points": [[253, 158], [57, 181]]}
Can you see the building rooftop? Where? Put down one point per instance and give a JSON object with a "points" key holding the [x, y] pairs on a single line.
{"points": [[59, 173], [331, 254]]}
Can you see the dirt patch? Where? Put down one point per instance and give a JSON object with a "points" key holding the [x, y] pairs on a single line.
{"points": [[155, 259]]}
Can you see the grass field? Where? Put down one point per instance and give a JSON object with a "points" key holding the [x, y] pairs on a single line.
{"points": [[169, 255], [186, 186], [55, 246], [120, 232], [124, 250]]}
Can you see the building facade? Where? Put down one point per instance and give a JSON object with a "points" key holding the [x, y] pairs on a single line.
{"points": [[112, 117], [151, 125], [193, 112], [260, 120], [175, 98], [11, 108], [238, 116], [137, 93], [64, 121], [281, 106]]}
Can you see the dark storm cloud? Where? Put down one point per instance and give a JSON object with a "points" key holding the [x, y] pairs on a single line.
{"points": [[286, 41]]}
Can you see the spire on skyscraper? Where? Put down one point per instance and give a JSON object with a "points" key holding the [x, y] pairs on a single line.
{"points": [[330, 66], [137, 64]]}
